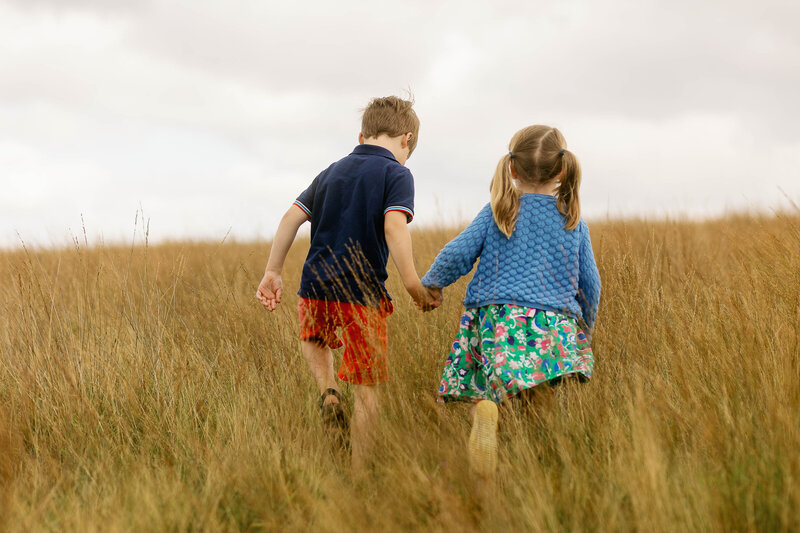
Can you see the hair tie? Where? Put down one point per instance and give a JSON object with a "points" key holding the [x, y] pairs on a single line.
{"points": [[511, 155], [561, 152]]}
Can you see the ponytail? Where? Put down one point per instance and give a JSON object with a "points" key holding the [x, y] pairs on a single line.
{"points": [[568, 202], [505, 198], [539, 156]]}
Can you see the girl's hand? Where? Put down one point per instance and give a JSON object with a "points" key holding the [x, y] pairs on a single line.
{"points": [[270, 290]]}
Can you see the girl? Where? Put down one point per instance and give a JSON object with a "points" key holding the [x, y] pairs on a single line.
{"points": [[531, 306]]}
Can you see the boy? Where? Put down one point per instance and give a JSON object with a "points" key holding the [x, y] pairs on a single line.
{"points": [[359, 208]]}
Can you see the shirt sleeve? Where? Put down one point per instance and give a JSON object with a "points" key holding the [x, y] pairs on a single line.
{"points": [[459, 255], [306, 199], [400, 194], [588, 280]]}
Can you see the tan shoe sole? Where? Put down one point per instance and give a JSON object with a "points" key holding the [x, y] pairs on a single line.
{"points": [[483, 440]]}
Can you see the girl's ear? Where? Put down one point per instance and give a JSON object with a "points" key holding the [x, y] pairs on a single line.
{"points": [[513, 172]]}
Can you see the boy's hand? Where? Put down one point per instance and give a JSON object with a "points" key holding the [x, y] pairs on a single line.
{"points": [[270, 290]]}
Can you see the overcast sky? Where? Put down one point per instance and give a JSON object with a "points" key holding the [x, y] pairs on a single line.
{"points": [[211, 117]]}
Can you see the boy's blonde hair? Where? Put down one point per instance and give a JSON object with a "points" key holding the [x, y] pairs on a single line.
{"points": [[538, 155], [393, 116]]}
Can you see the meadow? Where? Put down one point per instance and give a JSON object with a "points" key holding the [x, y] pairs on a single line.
{"points": [[142, 388]]}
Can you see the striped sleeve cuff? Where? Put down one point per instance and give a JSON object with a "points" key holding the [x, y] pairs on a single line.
{"points": [[409, 213], [299, 204]]}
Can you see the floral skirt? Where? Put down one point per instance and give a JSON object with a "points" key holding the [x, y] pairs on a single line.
{"points": [[501, 350]]}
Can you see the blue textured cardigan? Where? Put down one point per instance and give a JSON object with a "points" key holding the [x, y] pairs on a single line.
{"points": [[542, 265]]}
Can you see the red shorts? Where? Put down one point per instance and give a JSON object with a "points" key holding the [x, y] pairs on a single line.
{"points": [[363, 331]]}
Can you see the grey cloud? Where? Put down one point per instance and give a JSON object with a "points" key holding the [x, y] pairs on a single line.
{"points": [[645, 61], [278, 47], [94, 6], [669, 105]]}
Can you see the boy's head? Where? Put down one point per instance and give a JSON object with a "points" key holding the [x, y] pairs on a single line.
{"points": [[393, 116]]}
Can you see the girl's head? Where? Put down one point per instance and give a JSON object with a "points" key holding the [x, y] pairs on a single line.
{"points": [[537, 155]]}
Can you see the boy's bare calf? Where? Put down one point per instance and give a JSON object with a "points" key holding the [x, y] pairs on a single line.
{"points": [[362, 429], [365, 407], [320, 363]]}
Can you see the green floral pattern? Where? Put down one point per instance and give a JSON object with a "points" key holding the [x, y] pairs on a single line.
{"points": [[501, 350]]}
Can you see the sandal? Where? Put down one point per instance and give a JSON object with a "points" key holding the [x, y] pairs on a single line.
{"points": [[333, 414]]}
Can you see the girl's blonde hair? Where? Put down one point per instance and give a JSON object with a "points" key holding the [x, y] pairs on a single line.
{"points": [[538, 154]]}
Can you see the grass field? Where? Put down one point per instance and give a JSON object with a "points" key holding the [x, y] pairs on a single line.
{"points": [[143, 388]]}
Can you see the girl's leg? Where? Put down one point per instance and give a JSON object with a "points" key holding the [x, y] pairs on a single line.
{"points": [[362, 429], [320, 362]]}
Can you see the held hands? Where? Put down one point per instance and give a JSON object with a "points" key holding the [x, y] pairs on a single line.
{"points": [[270, 290], [425, 298], [436, 296]]}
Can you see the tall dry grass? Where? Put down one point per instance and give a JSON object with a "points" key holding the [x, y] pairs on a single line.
{"points": [[143, 388]]}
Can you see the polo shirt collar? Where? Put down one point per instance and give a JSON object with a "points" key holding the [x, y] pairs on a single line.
{"points": [[371, 149]]}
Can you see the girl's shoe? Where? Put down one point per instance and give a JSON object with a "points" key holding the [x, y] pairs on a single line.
{"points": [[483, 440]]}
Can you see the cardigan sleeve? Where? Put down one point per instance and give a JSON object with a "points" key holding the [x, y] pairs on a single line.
{"points": [[588, 280], [459, 255]]}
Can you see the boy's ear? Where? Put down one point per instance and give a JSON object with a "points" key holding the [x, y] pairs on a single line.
{"points": [[405, 139], [360, 138]]}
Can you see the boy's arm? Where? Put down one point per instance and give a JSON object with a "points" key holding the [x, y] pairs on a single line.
{"points": [[270, 289], [398, 238]]}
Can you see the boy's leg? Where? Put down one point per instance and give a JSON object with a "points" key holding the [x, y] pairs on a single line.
{"points": [[320, 362], [364, 365], [317, 335], [362, 430]]}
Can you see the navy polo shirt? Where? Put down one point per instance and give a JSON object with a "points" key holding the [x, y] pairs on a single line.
{"points": [[346, 203]]}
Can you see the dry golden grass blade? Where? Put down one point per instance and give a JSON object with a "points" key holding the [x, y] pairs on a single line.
{"points": [[143, 388]]}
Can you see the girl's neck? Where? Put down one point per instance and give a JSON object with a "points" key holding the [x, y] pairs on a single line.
{"points": [[548, 187]]}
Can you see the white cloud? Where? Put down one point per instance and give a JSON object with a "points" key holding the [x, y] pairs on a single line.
{"points": [[215, 115]]}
